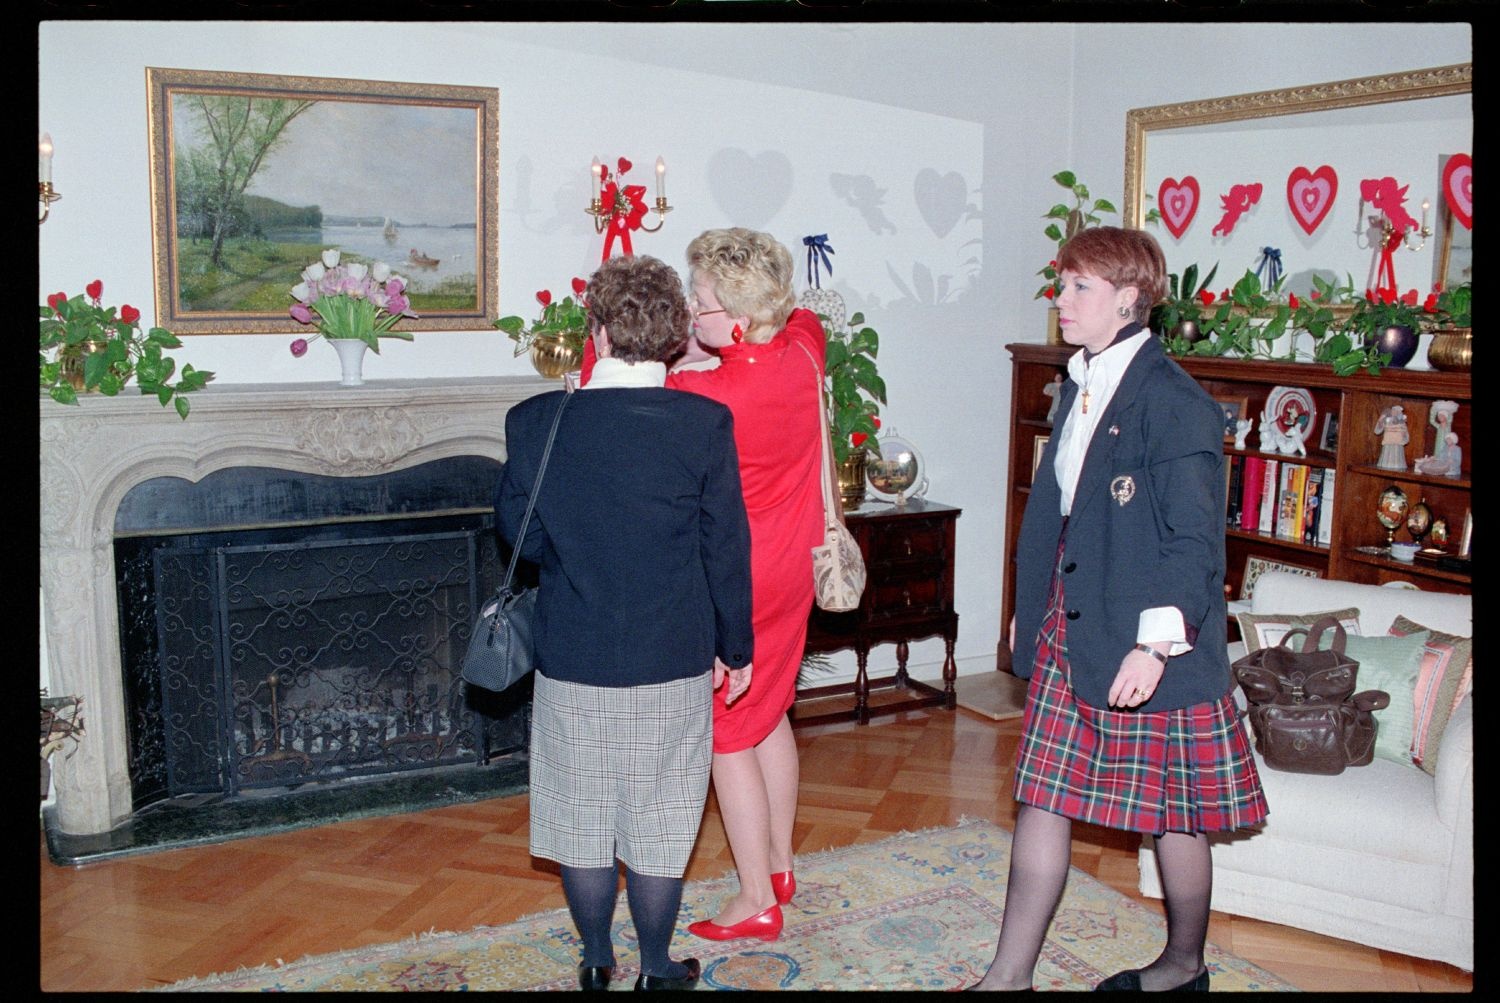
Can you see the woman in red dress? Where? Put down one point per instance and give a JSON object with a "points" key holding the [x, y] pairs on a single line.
{"points": [[771, 376]]}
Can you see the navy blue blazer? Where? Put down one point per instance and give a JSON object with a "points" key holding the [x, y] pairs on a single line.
{"points": [[1146, 530], [639, 533]]}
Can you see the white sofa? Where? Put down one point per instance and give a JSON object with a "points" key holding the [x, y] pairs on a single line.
{"points": [[1381, 855]]}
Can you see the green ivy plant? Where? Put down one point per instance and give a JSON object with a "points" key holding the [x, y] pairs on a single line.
{"points": [[1185, 303], [86, 346], [1070, 219], [854, 385]]}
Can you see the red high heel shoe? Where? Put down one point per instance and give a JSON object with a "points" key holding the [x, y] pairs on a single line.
{"points": [[784, 885], [763, 926]]}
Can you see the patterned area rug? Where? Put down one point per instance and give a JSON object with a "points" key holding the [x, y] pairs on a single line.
{"points": [[917, 911]]}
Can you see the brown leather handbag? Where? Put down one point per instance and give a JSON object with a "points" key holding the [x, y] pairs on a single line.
{"points": [[1303, 709]]}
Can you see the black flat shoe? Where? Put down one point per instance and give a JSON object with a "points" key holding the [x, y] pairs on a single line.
{"points": [[593, 978], [654, 982], [1130, 981]]}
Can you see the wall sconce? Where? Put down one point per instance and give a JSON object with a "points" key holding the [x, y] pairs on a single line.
{"points": [[625, 200], [45, 195]]}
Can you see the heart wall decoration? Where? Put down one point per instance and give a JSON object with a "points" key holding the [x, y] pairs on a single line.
{"points": [[1458, 188], [1178, 202], [1311, 195]]}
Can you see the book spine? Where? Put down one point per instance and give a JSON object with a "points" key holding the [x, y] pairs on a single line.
{"points": [[1236, 490], [1314, 505], [1268, 496], [1325, 522], [1253, 478], [1286, 501]]}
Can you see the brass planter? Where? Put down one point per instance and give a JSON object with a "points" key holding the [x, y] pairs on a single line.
{"points": [[1451, 349], [552, 357], [72, 360], [852, 480], [1054, 329]]}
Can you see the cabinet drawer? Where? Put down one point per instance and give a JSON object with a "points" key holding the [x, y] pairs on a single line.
{"points": [[908, 596], [906, 540]]}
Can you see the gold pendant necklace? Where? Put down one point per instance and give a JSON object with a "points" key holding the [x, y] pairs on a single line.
{"points": [[1087, 383]]}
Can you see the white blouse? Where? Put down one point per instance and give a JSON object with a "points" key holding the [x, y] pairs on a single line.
{"points": [[1099, 377]]}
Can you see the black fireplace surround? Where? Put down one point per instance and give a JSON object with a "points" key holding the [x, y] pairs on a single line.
{"points": [[283, 631]]}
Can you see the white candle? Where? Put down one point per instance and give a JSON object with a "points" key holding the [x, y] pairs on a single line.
{"points": [[661, 173], [598, 169], [44, 158]]}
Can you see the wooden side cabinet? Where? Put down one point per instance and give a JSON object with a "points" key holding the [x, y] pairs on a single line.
{"points": [[1355, 551], [908, 554]]}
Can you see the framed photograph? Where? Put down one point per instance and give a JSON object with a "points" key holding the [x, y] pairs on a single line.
{"points": [[1234, 408], [1038, 443], [1329, 440], [1257, 566], [253, 176]]}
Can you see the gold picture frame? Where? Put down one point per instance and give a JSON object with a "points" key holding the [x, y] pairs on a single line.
{"points": [[253, 175], [1038, 445], [1257, 566]]}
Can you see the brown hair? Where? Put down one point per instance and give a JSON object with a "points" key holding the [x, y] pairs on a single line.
{"points": [[1121, 258], [640, 300], [751, 274]]}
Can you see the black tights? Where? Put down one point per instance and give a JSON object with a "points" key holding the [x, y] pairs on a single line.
{"points": [[653, 903], [1039, 859]]}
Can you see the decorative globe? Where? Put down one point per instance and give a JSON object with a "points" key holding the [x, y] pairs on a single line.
{"points": [[898, 470]]}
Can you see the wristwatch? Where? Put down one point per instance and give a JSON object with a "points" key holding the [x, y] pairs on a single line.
{"points": [[1152, 652]]}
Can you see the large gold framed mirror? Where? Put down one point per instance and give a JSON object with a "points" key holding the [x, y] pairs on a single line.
{"points": [[1401, 125]]}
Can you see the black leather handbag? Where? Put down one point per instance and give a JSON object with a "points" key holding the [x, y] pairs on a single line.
{"points": [[1303, 709], [501, 651]]}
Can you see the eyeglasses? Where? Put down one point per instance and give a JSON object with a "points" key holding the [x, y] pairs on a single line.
{"points": [[704, 313]]}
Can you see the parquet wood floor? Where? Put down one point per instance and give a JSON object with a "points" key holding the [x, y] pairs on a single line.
{"points": [[152, 919]]}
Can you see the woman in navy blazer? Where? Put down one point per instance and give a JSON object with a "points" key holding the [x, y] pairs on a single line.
{"points": [[1120, 622], [643, 608]]}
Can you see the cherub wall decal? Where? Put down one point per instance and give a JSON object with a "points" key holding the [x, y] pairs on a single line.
{"points": [[1236, 204]]}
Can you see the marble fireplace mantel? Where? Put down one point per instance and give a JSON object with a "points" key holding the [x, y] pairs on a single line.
{"points": [[93, 454]]}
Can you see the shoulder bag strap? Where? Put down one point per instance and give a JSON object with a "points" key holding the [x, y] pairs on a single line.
{"points": [[827, 461], [536, 486]]}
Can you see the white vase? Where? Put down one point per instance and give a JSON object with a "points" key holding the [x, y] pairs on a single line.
{"points": [[351, 359]]}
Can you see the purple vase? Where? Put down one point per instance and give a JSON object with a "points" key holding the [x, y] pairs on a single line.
{"points": [[1400, 341]]}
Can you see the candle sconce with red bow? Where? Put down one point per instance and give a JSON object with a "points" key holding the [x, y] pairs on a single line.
{"points": [[619, 208], [1397, 226]]}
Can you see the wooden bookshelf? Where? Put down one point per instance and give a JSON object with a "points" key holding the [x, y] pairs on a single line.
{"points": [[1358, 401]]}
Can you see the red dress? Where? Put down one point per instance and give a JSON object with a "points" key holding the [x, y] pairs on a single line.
{"points": [[774, 395]]}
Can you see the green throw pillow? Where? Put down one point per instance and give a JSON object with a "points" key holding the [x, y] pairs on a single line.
{"points": [[1391, 664]]}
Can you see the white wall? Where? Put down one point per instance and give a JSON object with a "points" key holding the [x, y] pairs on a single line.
{"points": [[767, 125]]}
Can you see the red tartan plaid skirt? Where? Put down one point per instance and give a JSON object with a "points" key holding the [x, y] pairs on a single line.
{"points": [[1187, 770]]}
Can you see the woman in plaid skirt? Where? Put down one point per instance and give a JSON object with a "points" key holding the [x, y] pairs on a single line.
{"points": [[1120, 622]]}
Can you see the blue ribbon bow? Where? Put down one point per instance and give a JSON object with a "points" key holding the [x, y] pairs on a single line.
{"points": [[1270, 256], [817, 247]]}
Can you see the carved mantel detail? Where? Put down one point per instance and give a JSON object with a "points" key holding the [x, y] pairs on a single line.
{"points": [[93, 454]]}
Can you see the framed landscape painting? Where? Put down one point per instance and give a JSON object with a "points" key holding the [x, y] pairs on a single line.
{"points": [[253, 176]]}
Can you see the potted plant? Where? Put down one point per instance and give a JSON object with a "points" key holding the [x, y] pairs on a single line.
{"points": [[854, 387], [86, 347], [1067, 220], [1177, 319], [1247, 320], [1451, 347], [556, 338], [1388, 324]]}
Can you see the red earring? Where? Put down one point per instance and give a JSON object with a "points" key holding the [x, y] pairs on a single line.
{"points": [[737, 334]]}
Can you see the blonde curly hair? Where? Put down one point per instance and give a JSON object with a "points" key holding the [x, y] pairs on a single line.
{"points": [[751, 273]]}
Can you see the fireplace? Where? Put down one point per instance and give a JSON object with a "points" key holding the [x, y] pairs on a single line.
{"points": [[93, 457], [280, 628]]}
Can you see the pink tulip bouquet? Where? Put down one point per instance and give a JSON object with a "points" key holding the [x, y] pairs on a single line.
{"points": [[350, 300]]}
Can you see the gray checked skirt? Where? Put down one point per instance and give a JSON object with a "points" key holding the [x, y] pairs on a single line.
{"points": [[620, 772]]}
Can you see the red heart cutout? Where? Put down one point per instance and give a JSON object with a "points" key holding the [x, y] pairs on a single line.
{"points": [[1311, 195], [544, 297], [1178, 202], [1458, 188], [624, 165]]}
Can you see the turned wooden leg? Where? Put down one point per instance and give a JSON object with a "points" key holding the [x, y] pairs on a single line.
{"points": [[950, 672], [862, 687], [901, 650]]}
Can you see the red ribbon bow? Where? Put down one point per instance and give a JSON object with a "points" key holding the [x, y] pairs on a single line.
{"points": [[622, 222]]}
